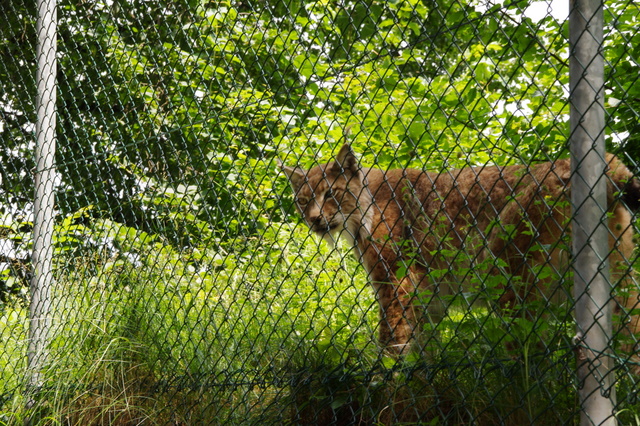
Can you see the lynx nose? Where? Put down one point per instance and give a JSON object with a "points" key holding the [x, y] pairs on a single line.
{"points": [[318, 223], [315, 221]]}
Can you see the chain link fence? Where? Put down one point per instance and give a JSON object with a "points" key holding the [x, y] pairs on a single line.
{"points": [[186, 286]]}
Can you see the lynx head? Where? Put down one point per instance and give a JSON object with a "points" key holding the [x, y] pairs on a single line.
{"points": [[332, 198]]}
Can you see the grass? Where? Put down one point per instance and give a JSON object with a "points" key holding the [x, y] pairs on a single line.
{"points": [[256, 333]]}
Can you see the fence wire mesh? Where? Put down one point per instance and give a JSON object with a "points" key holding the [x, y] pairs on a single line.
{"points": [[188, 288]]}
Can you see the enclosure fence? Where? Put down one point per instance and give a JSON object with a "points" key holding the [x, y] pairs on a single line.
{"points": [[319, 212]]}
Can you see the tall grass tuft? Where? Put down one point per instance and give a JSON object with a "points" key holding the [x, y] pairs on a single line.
{"points": [[268, 333]]}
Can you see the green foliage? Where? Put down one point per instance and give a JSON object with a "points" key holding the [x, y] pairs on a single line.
{"points": [[205, 94], [15, 244], [17, 109], [623, 66]]}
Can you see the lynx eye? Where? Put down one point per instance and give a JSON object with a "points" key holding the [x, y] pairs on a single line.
{"points": [[302, 200]]}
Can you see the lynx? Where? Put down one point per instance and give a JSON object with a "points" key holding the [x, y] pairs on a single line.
{"points": [[408, 225]]}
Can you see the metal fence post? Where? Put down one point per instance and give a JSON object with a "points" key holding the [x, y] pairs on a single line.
{"points": [[592, 288], [39, 310]]}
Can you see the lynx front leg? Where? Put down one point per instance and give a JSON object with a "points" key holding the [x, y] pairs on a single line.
{"points": [[397, 316]]}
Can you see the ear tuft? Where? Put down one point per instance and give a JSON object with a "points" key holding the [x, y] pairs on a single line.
{"points": [[346, 159], [294, 174]]}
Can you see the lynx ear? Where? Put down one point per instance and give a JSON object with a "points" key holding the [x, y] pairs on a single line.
{"points": [[346, 160], [294, 174]]}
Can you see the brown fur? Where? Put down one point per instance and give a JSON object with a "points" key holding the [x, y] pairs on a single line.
{"points": [[408, 226]]}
